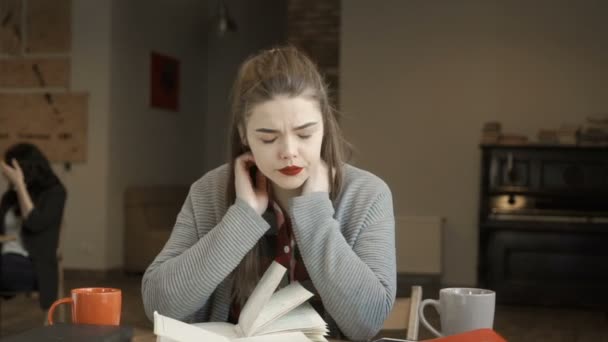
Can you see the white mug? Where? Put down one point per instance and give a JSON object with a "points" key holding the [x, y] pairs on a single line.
{"points": [[461, 309]]}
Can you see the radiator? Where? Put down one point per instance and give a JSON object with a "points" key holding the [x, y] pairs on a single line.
{"points": [[418, 242]]}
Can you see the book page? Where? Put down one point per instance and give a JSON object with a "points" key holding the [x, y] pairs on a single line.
{"points": [[169, 329], [260, 296], [291, 337], [221, 328], [303, 318], [280, 303]]}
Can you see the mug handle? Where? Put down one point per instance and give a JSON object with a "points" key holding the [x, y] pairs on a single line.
{"points": [[434, 303], [49, 316]]}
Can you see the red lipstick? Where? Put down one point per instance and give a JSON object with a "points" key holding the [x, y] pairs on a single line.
{"points": [[291, 170]]}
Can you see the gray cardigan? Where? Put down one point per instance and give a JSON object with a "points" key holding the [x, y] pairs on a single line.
{"points": [[348, 248]]}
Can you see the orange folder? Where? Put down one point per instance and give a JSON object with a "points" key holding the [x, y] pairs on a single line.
{"points": [[480, 335]]}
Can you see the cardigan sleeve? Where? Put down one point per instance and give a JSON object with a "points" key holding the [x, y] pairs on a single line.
{"points": [[47, 211], [357, 284], [200, 253]]}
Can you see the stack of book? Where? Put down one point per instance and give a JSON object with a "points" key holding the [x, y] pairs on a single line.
{"points": [[567, 134], [512, 139], [490, 133], [548, 136], [595, 132]]}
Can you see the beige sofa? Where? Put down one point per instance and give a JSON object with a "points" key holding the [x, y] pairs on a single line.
{"points": [[150, 213]]}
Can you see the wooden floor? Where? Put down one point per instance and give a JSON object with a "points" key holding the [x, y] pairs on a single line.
{"points": [[518, 324]]}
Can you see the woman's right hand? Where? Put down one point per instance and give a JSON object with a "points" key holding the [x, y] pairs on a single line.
{"points": [[13, 174], [256, 197]]}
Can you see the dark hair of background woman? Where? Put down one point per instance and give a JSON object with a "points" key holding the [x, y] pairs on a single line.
{"points": [[37, 172]]}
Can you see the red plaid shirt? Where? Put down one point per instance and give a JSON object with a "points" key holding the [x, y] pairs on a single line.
{"points": [[285, 252]]}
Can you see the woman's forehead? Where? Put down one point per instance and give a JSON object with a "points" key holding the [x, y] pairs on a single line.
{"points": [[284, 110]]}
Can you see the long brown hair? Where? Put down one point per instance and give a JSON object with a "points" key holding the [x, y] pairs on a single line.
{"points": [[279, 71]]}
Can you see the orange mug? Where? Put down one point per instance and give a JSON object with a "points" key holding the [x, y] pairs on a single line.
{"points": [[92, 305]]}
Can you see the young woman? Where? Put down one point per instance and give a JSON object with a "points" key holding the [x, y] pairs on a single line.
{"points": [[31, 210], [285, 195]]}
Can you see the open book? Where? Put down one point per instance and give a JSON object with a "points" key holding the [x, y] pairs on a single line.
{"points": [[267, 316]]}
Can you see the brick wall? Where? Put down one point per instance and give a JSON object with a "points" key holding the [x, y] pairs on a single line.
{"points": [[314, 27], [36, 104]]}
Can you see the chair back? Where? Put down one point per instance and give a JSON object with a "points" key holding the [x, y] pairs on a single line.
{"points": [[60, 276], [404, 315]]}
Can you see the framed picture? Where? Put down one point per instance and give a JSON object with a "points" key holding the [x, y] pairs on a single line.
{"points": [[164, 82]]}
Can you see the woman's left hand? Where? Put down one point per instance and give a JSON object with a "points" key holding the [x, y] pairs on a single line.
{"points": [[318, 179], [14, 173]]}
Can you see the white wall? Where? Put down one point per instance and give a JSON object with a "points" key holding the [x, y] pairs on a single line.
{"points": [[131, 143], [148, 145], [419, 78], [261, 24], [151, 146], [85, 219]]}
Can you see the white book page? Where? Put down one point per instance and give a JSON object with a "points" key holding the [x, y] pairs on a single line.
{"points": [[171, 329], [260, 296], [221, 328], [316, 338], [303, 318], [279, 304], [291, 337]]}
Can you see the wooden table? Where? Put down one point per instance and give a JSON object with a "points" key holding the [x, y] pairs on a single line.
{"points": [[74, 333]]}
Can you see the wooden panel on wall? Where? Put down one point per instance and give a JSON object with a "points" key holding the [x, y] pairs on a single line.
{"points": [[21, 72], [57, 126], [48, 26], [11, 30]]}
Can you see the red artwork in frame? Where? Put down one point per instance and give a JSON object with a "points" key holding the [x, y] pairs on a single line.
{"points": [[164, 82]]}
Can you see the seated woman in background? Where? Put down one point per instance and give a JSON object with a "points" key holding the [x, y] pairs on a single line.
{"points": [[31, 210], [285, 195]]}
